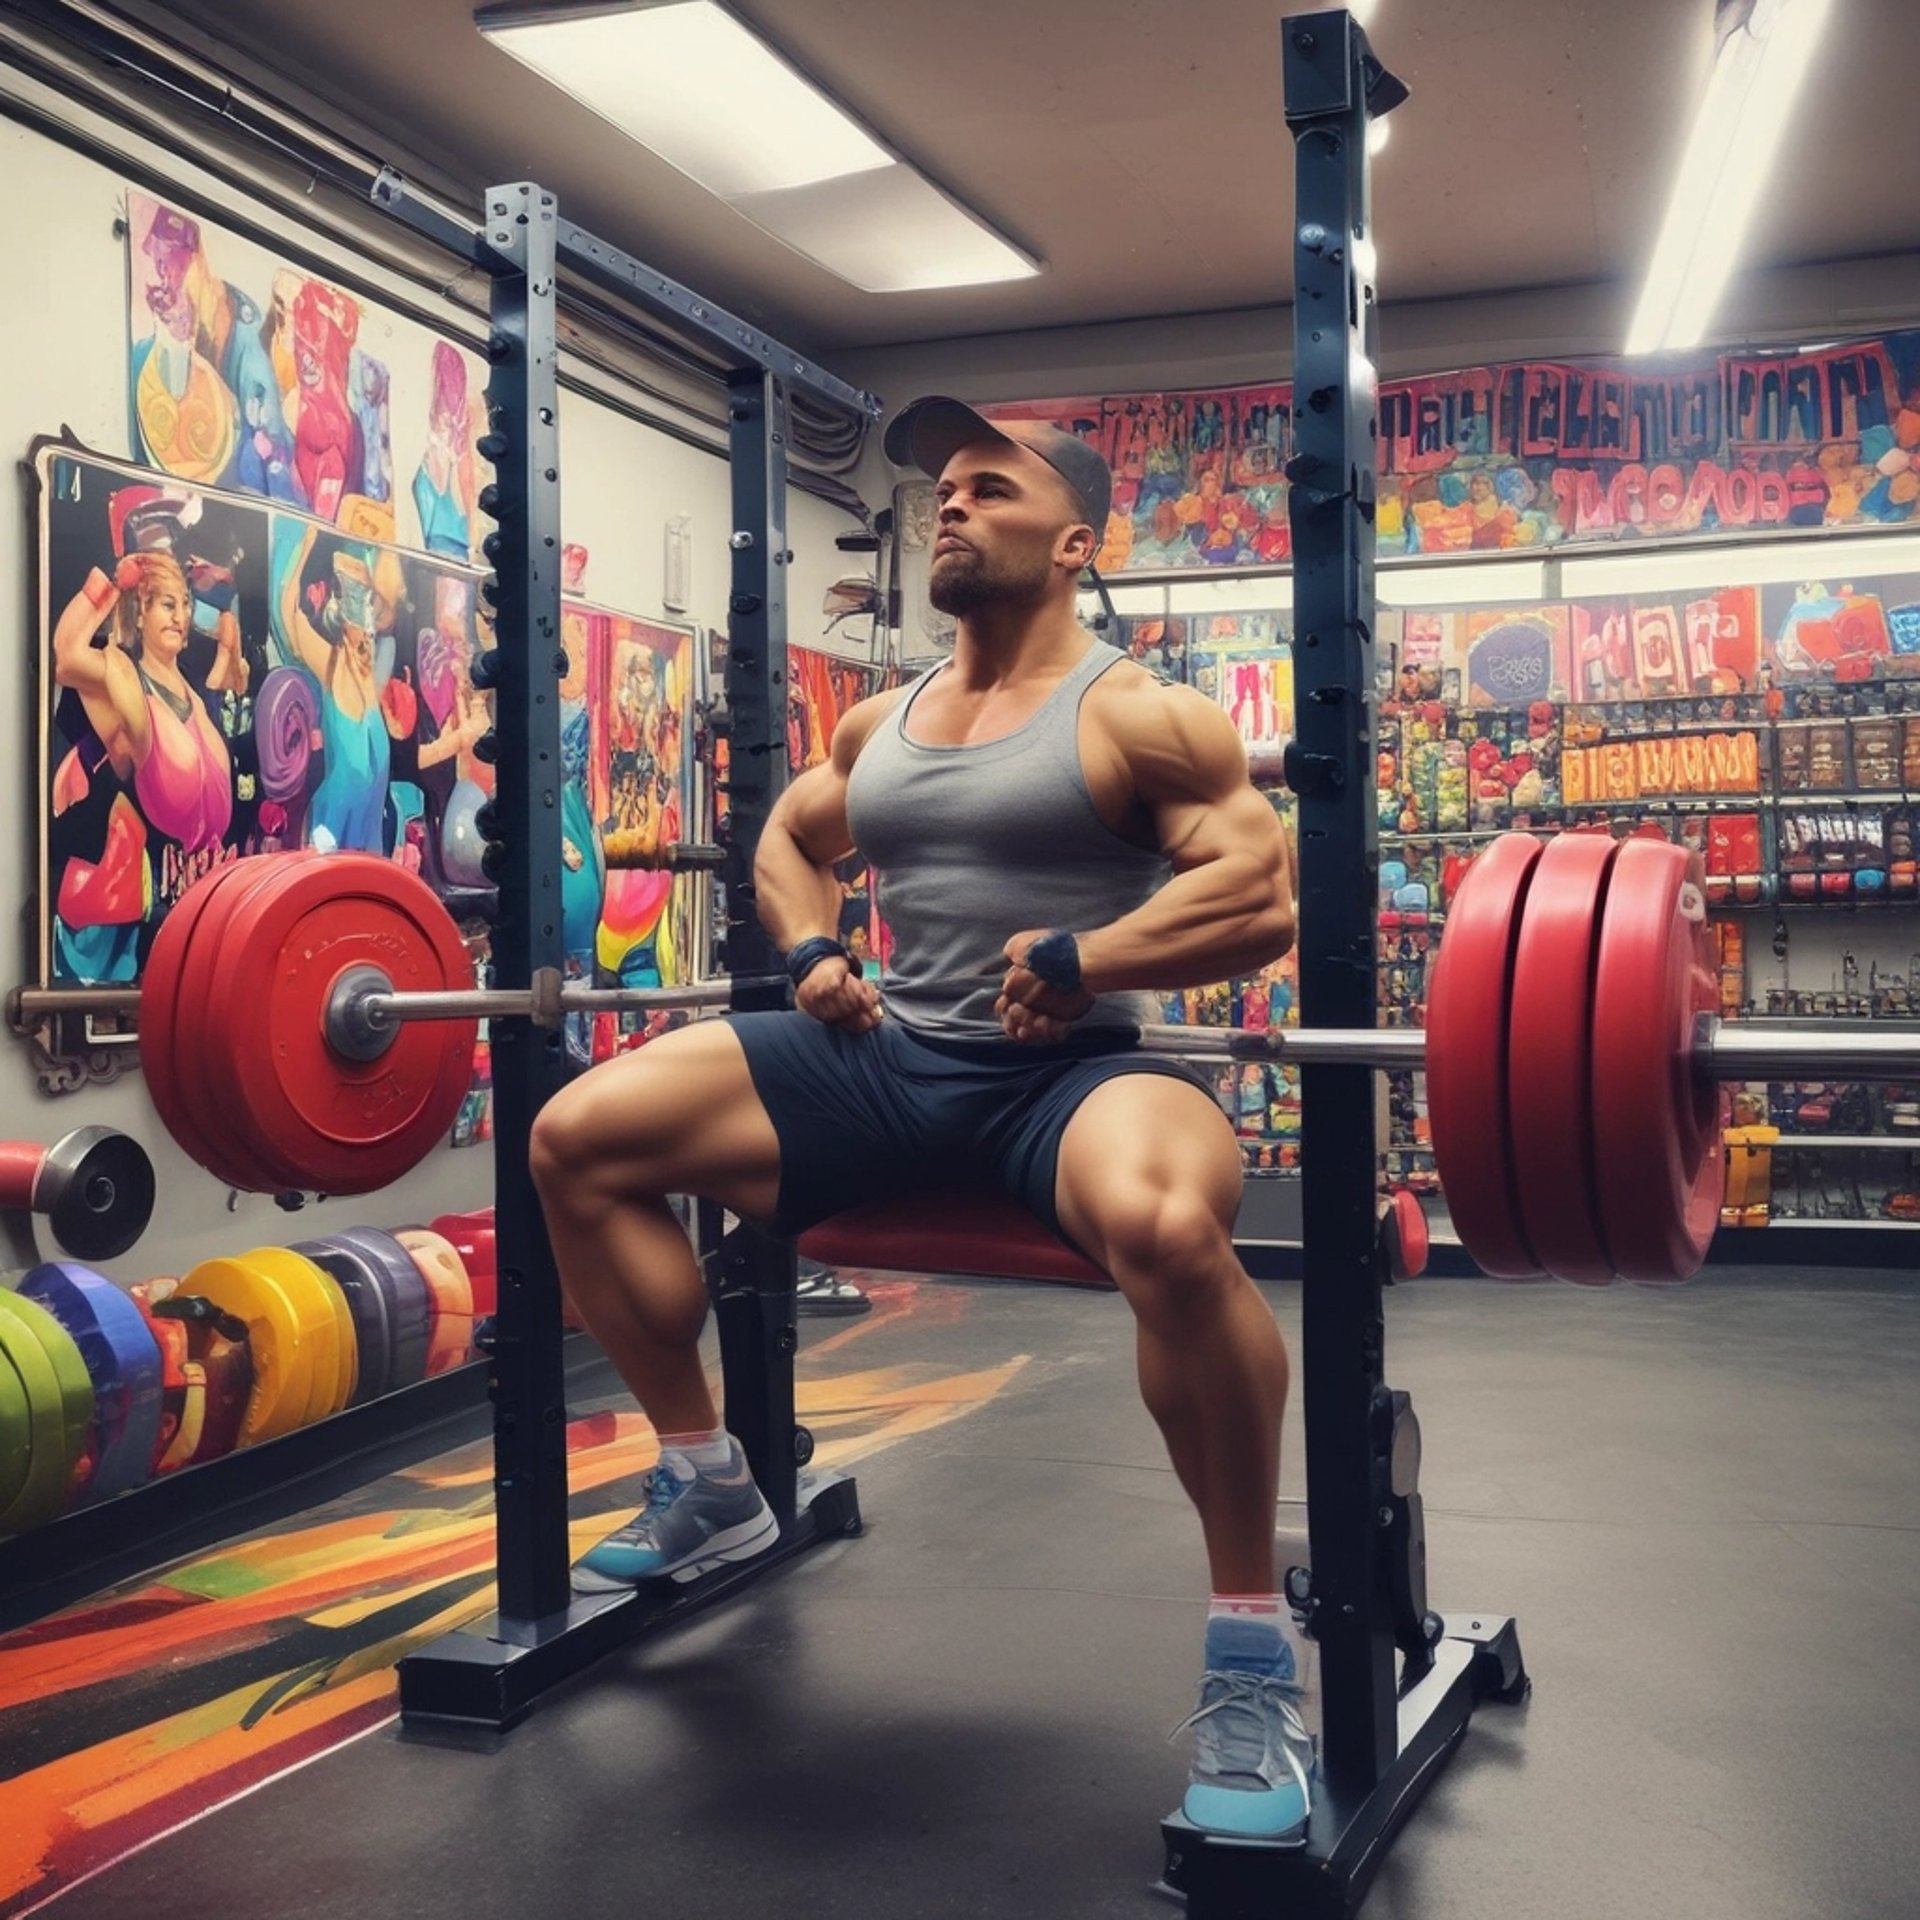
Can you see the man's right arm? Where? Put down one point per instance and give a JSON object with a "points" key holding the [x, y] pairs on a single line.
{"points": [[806, 836]]}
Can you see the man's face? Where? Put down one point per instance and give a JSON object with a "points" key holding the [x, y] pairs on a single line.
{"points": [[1002, 511]]}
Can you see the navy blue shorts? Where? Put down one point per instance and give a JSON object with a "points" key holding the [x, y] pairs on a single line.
{"points": [[869, 1116]]}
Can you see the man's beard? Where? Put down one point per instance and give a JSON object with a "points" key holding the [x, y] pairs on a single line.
{"points": [[967, 582]]}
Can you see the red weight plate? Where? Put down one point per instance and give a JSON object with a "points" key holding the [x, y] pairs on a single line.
{"points": [[161, 1060], [471, 1235], [350, 1125], [1549, 1046], [1409, 1231], [233, 1064], [223, 977], [1656, 1123], [1467, 1058]]}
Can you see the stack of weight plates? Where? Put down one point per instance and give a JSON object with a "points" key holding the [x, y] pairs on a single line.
{"points": [[123, 1363]]}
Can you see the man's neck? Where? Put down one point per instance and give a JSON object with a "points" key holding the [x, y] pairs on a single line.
{"points": [[1003, 647]]}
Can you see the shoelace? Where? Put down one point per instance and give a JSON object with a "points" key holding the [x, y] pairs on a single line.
{"points": [[663, 1489], [1259, 1693]]}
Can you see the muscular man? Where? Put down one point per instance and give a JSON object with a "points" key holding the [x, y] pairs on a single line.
{"points": [[1052, 832]]}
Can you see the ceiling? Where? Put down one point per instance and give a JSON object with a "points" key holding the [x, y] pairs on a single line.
{"points": [[1138, 146]]}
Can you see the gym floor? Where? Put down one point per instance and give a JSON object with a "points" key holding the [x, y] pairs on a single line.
{"points": [[1700, 1503]]}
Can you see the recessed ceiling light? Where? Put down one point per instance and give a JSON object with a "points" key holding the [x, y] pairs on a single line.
{"points": [[689, 82]]}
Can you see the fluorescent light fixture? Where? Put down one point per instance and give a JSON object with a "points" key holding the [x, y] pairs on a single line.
{"points": [[1363, 10], [1467, 583], [1768, 562], [689, 82], [1757, 72], [1224, 594], [1379, 132]]}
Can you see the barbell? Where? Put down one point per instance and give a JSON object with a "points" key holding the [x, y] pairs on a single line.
{"points": [[303, 1026]]}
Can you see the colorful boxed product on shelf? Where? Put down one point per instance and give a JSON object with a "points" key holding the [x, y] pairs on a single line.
{"points": [[1876, 753]]}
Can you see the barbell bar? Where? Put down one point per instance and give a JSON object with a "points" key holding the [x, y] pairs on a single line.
{"points": [[1722, 1049]]}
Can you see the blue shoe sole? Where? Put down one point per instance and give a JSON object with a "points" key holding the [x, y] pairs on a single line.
{"points": [[1278, 1814]]}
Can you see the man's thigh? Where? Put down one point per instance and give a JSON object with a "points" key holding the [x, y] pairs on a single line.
{"points": [[1138, 1146], [1111, 1134], [845, 1119]]}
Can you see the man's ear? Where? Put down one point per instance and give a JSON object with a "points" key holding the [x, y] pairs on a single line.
{"points": [[1079, 545]]}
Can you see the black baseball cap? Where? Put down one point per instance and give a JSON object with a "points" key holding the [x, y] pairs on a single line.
{"points": [[931, 431]]}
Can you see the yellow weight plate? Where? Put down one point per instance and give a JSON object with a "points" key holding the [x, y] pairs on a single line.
{"points": [[446, 1276], [60, 1396], [276, 1338], [310, 1285]]}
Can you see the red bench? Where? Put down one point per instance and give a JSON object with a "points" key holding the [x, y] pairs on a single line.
{"points": [[969, 1232], [972, 1232]]}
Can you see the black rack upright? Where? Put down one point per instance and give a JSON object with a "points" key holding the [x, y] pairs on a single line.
{"points": [[1385, 1730], [492, 1673]]}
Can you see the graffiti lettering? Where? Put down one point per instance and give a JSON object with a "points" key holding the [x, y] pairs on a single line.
{"points": [[1780, 401]]}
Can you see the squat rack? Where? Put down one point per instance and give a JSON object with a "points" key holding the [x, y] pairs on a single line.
{"points": [[1388, 1724], [493, 1672]]}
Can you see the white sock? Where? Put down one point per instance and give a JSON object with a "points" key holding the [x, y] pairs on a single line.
{"points": [[1248, 1606], [1257, 1633], [704, 1452]]}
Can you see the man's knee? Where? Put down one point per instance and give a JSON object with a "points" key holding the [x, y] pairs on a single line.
{"points": [[1167, 1239], [573, 1148]]}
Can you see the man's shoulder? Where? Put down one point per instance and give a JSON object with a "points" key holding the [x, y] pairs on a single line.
{"points": [[856, 725], [1130, 695], [1169, 737]]}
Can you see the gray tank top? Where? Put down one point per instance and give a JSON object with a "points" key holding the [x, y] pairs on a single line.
{"points": [[971, 845]]}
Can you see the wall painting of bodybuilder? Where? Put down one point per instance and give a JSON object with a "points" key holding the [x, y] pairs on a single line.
{"points": [[627, 758], [224, 677], [251, 375]]}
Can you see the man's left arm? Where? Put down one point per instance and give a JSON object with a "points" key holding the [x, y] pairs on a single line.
{"points": [[1227, 910]]}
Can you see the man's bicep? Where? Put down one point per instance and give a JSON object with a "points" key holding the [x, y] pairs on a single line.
{"points": [[1192, 772], [1238, 824], [814, 811]]}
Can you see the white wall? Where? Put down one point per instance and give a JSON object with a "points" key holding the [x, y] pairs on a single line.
{"points": [[63, 321]]}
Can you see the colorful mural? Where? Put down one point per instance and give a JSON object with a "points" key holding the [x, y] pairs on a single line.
{"points": [[227, 677], [1529, 454], [639, 792], [1699, 645], [250, 375]]}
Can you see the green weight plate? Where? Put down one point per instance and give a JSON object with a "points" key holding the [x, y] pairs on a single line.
{"points": [[60, 1396], [16, 1432]]}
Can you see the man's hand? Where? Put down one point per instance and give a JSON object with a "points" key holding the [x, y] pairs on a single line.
{"points": [[835, 995], [1028, 1008]]}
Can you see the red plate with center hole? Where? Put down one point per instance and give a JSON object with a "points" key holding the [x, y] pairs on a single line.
{"points": [[166, 1066], [1656, 1123], [1549, 1049], [1467, 1058], [219, 978], [349, 1126]]}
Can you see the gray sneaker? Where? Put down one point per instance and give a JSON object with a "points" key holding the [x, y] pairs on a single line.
{"points": [[1253, 1755], [692, 1522]]}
